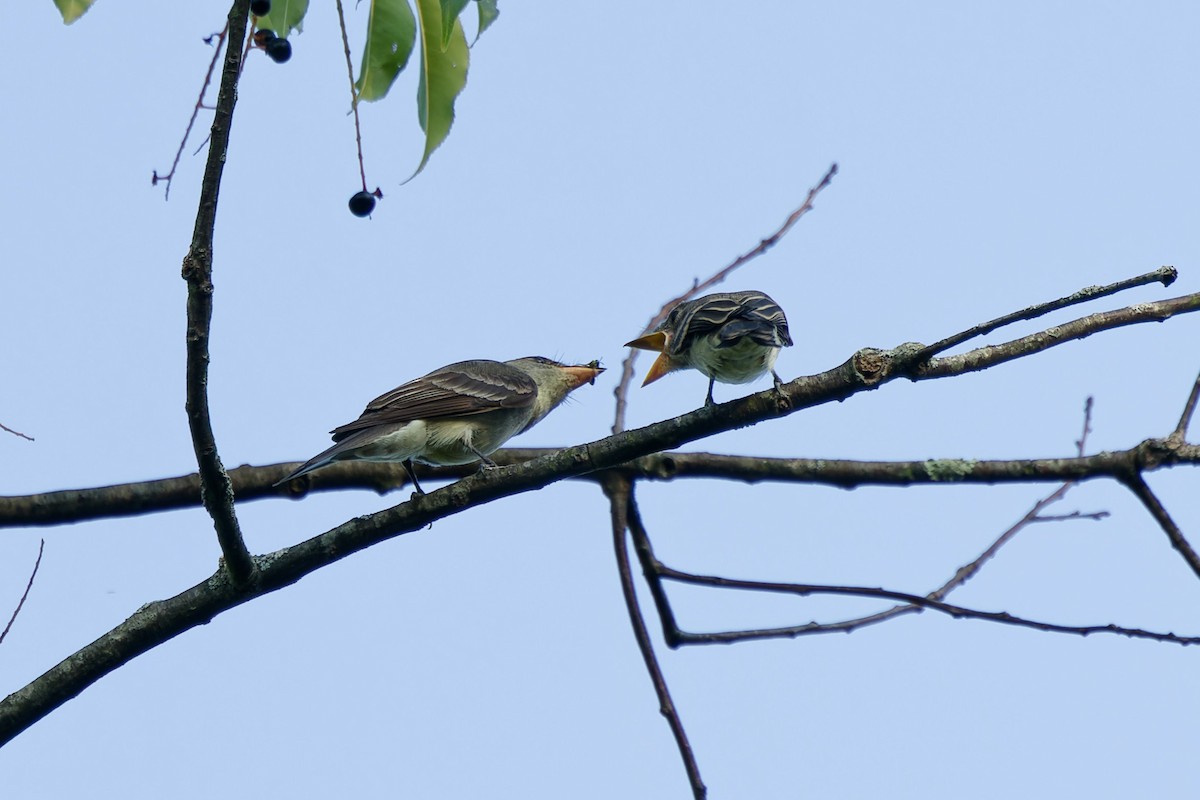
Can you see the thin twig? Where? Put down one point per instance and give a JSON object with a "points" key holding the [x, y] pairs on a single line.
{"points": [[967, 571], [622, 390], [1054, 336], [1081, 442], [216, 490], [25, 594], [1074, 515], [619, 492], [958, 612], [1189, 409], [362, 170], [155, 177], [1164, 275], [1136, 484], [960, 577], [650, 564], [14, 433]]}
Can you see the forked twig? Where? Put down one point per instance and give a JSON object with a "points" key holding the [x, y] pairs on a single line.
{"points": [[1142, 491], [1189, 408], [676, 637], [650, 566], [619, 491], [212, 65], [1164, 275], [958, 612]]}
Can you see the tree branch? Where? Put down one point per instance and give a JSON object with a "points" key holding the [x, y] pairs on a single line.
{"points": [[1052, 337], [24, 595], [958, 612], [215, 487], [619, 492], [1133, 479], [866, 370], [1189, 408], [155, 178], [1164, 275], [650, 566], [7, 429], [256, 483], [969, 571]]}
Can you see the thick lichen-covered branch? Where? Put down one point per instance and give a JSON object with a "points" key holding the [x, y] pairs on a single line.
{"points": [[215, 487]]}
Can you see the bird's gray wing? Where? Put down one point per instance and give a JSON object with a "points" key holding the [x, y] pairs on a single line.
{"points": [[733, 316], [457, 390]]}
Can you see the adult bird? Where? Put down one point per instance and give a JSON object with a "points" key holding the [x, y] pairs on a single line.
{"points": [[732, 337], [460, 413]]}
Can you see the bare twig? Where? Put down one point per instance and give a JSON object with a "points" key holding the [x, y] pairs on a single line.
{"points": [[1189, 408], [622, 390], [14, 433], [216, 489], [1055, 336], [37, 563], [362, 170], [968, 571], [650, 564], [1074, 515], [155, 178], [1141, 490], [1164, 275], [958, 612], [620, 494], [1081, 442], [961, 575]]}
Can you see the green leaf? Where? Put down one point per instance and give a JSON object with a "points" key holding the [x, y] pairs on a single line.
{"points": [[391, 34], [286, 16], [443, 76], [488, 11], [450, 11], [72, 10]]}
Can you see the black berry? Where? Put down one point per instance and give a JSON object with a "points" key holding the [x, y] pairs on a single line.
{"points": [[279, 50], [260, 8], [362, 204], [264, 35]]}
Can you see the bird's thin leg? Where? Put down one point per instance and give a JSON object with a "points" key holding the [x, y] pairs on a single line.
{"points": [[779, 388], [708, 401], [487, 462], [412, 475]]}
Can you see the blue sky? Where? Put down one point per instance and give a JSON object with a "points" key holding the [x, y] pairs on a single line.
{"points": [[992, 156]]}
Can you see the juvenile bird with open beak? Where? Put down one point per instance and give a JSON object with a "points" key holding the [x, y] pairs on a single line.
{"points": [[454, 415], [732, 337]]}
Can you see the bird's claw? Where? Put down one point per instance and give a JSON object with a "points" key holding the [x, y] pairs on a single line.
{"points": [[784, 400]]}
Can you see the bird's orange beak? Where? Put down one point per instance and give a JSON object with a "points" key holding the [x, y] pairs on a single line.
{"points": [[661, 366], [657, 342], [584, 373]]}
